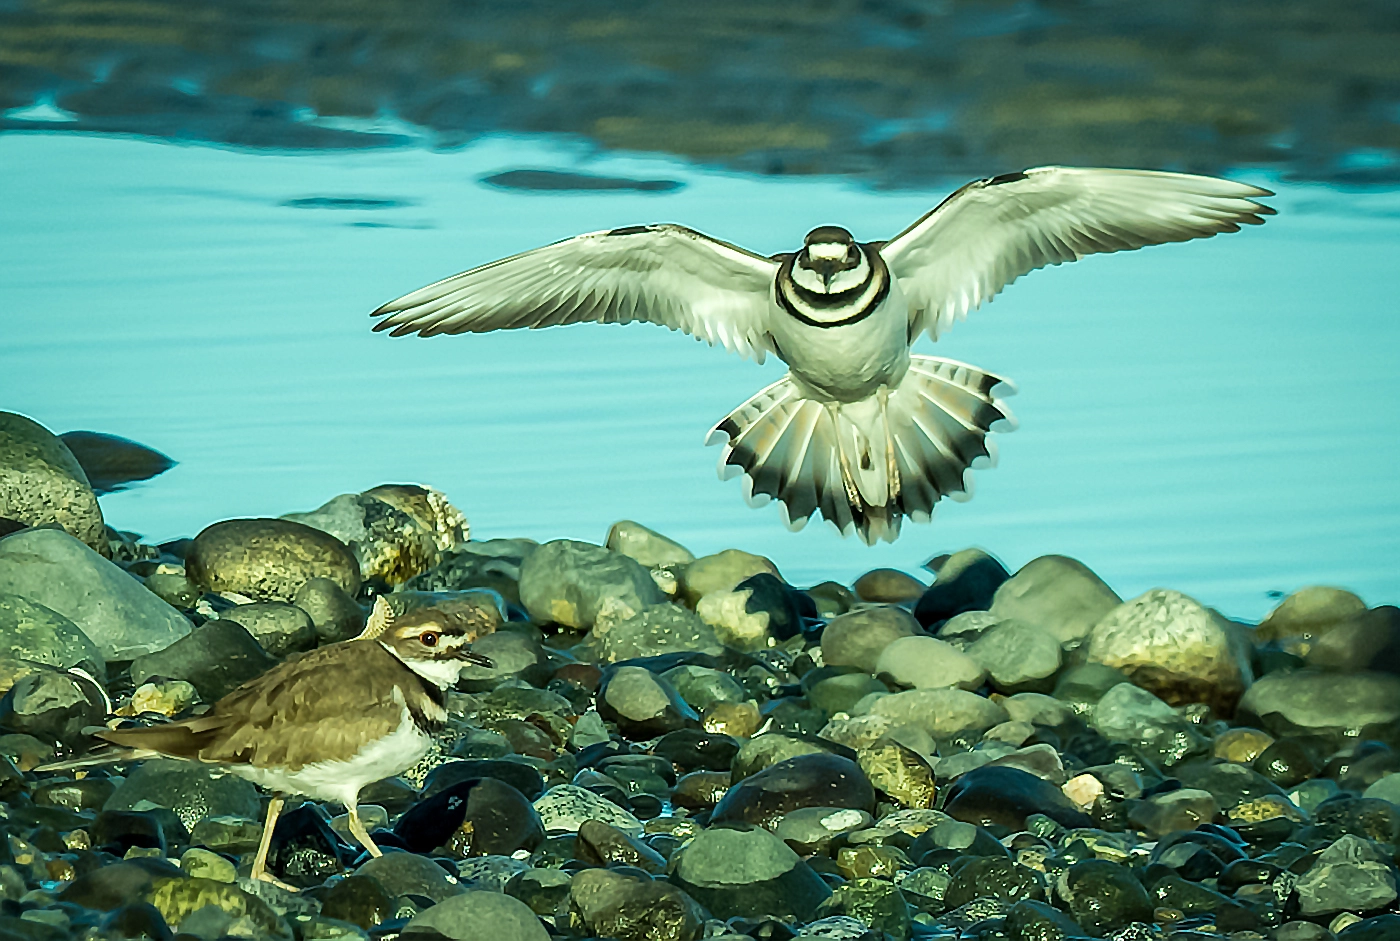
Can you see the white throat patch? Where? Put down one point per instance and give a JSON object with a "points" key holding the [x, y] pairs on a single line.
{"points": [[441, 673]]}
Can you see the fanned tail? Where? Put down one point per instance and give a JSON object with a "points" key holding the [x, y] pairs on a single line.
{"points": [[866, 465]]}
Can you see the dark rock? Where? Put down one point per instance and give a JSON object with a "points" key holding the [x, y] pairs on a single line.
{"points": [[359, 900], [192, 790], [771, 595], [51, 568], [1287, 762], [1337, 705], [634, 908], [519, 775], [335, 616], [697, 750], [997, 877], [966, 581], [601, 845], [474, 915], [52, 706], [492, 564], [818, 780], [112, 462], [119, 830], [305, 851], [1230, 784], [642, 704], [1310, 612], [30, 631], [1006, 796], [1368, 817], [700, 790], [770, 748], [546, 891], [475, 817], [1104, 897], [748, 872], [269, 559], [1366, 641], [831, 600], [512, 654], [1350, 875], [410, 874], [89, 793], [117, 884], [215, 659], [41, 482], [137, 920], [1030, 920], [1380, 928]]}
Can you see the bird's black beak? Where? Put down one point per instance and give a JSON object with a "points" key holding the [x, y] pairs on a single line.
{"points": [[476, 659]]}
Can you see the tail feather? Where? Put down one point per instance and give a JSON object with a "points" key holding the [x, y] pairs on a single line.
{"points": [[866, 465]]}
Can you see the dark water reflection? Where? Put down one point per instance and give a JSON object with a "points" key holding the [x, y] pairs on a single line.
{"points": [[898, 93]]}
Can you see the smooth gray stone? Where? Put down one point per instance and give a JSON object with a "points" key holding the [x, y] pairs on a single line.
{"points": [[30, 631], [747, 871], [1334, 704], [278, 627], [658, 629], [215, 659], [857, 638], [1057, 593], [574, 583], [192, 790], [478, 916], [115, 611], [1350, 875]]}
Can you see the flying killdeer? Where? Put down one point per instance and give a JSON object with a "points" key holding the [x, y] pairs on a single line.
{"points": [[328, 722], [859, 429]]}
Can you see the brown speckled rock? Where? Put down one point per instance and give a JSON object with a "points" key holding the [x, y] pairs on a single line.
{"points": [[41, 482], [269, 559]]}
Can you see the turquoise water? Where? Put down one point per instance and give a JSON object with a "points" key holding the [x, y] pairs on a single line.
{"points": [[1218, 417]]}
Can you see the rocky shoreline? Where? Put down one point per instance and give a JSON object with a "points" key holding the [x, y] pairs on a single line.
{"points": [[671, 747]]}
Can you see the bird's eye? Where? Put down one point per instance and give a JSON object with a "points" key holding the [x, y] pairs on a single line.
{"points": [[428, 638]]}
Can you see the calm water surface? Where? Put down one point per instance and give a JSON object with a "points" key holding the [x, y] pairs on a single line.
{"points": [[1219, 417]]}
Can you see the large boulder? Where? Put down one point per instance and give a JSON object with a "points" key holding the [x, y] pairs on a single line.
{"points": [[116, 612], [41, 482], [1336, 705], [1175, 647], [30, 631], [395, 531], [577, 584], [269, 559], [1310, 612], [1057, 593]]}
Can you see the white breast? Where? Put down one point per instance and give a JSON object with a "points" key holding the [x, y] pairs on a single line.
{"points": [[341, 781]]}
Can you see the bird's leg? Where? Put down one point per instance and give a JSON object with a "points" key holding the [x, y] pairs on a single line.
{"points": [[274, 808], [848, 479], [357, 827]]}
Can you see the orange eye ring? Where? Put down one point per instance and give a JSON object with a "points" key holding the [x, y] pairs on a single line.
{"points": [[428, 638]]}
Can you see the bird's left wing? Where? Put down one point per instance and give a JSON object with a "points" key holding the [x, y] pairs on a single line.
{"points": [[992, 231], [664, 274]]}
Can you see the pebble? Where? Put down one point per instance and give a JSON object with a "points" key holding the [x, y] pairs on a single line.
{"points": [[334, 614], [1310, 612], [722, 571], [964, 581], [278, 627], [115, 612], [1058, 594], [647, 546], [929, 663], [477, 915], [215, 659], [626, 907], [1018, 657], [566, 807], [577, 584], [888, 586], [657, 630], [745, 871], [268, 559], [1328, 704], [30, 631], [856, 639], [814, 780], [941, 712], [41, 482], [643, 704]]}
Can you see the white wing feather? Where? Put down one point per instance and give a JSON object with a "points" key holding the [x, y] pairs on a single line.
{"points": [[664, 274], [991, 232]]}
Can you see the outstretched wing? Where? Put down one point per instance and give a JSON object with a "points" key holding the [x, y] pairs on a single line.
{"points": [[992, 231], [663, 274]]}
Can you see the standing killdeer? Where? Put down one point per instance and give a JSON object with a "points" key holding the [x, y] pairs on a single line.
{"points": [[328, 722], [859, 429]]}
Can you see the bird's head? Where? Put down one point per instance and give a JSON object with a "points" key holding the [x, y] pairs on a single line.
{"points": [[434, 644], [830, 261]]}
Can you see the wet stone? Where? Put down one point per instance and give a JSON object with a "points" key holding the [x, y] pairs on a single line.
{"points": [[565, 807], [1058, 594], [576, 584], [279, 628], [519, 775], [1350, 875], [702, 687], [899, 773], [204, 864], [116, 612], [1241, 745], [995, 877], [696, 750], [473, 915], [815, 780], [858, 638], [335, 616], [812, 829], [1018, 657], [965, 581], [748, 872], [1310, 612], [490, 872], [721, 571], [476, 817], [1032, 920], [1006, 796], [215, 659], [410, 874], [546, 891], [42, 482], [305, 851], [599, 844], [700, 789], [1104, 897], [941, 712], [888, 586], [191, 790], [643, 704], [30, 631], [928, 663], [656, 630], [52, 707], [633, 908], [1335, 705], [269, 559], [876, 903]]}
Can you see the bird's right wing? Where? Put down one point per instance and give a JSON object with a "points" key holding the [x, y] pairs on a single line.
{"points": [[664, 274], [991, 232]]}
